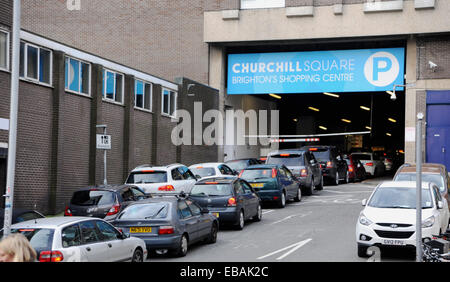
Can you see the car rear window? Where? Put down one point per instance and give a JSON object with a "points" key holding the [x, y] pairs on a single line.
{"points": [[237, 165], [286, 159], [203, 171], [362, 157], [205, 189], [146, 211], [92, 198], [252, 174], [41, 239], [145, 177], [320, 154]]}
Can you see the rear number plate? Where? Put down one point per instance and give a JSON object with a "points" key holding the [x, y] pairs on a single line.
{"points": [[140, 230], [257, 185], [216, 214]]}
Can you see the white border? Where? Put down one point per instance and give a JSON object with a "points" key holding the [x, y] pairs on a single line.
{"points": [[104, 75], [162, 103], [90, 75], [72, 52], [151, 96], [25, 64]]}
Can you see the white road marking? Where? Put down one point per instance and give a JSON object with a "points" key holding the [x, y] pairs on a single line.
{"points": [[292, 216], [267, 211], [293, 248]]}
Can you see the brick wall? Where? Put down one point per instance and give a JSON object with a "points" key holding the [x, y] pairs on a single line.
{"points": [[6, 8], [435, 49]]}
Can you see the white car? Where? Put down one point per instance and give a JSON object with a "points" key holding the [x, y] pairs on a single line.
{"points": [[389, 216], [170, 179], [80, 239], [373, 165], [211, 169]]}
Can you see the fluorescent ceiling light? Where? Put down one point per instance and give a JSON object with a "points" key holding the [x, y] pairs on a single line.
{"points": [[368, 127], [323, 128], [346, 120], [331, 94], [314, 109], [365, 108], [388, 134], [391, 120], [295, 120], [275, 96]]}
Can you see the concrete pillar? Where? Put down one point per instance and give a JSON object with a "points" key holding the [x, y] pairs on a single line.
{"points": [[410, 99]]}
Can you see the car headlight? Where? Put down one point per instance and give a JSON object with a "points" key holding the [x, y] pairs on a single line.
{"points": [[428, 222], [364, 220]]}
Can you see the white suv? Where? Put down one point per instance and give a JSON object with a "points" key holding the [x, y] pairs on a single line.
{"points": [[372, 163], [170, 179], [389, 216]]}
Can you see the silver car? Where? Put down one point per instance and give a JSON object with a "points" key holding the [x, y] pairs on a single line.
{"points": [[80, 239]]}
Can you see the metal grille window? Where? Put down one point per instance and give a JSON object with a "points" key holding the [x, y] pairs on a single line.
{"points": [[169, 102], [78, 76], [143, 95], [113, 86], [35, 63], [4, 50]]}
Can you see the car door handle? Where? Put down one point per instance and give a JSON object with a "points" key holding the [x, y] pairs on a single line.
{"points": [[110, 245], [88, 249]]}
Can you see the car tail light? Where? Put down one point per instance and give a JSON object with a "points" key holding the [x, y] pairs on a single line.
{"points": [[232, 202], [329, 164], [67, 212], [275, 198], [114, 209], [166, 188], [274, 172], [166, 230], [51, 256], [369, 164], [350, 168], [303, 173]]}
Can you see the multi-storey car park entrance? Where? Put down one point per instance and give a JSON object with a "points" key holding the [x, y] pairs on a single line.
{"points": [[353, 99]]}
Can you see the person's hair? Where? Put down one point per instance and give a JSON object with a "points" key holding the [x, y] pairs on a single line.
{"points": [[19, 247]]}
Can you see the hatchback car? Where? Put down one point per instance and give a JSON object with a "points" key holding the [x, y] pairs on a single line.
{"points": [[356, 170], [211, 169], [436, 173], [303, 165], [170, 179], [168, 224], [334, 167], [231, 200], [20, 215], [79, 239], [372, 163], [273, 183], [103, 201], [389, 216]]}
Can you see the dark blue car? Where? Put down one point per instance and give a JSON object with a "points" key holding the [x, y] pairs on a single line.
{"points": [[273, 183], [168, 224]]}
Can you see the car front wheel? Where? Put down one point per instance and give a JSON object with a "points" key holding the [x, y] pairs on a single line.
{"points": [[138, 256]]}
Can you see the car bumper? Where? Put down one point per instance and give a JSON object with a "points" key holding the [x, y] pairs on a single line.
{"points": [[271, 195], [329, 172], [373, 238], [160, 242], [225, 215]]}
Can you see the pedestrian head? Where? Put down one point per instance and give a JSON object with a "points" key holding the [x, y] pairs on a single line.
{"points": [[16, 248]]}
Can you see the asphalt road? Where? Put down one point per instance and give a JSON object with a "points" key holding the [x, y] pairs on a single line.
{"points": [[320, 228]]}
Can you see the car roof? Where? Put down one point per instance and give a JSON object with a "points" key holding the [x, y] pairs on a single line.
{"points": [[320, 146], [286, 151], [152, 167], [206, 164], [109, 187], [220, 180], [264, 166], [51, 222], [426, 167], [404, 184], [243, 159]]}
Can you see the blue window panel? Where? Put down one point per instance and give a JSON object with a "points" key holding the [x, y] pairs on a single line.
{"points": [[139, 94], [85, 73], [74, 79], [67, 73], [110, 77]]}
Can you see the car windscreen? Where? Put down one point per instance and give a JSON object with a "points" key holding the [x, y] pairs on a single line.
{"points": [[255, 174], [398, 197], [144, 177], [434, 178], [211, 190], [146, 211], [321, 154], [286, 159], [93, 198], [362, 157], [41, 239], [203, 171], [238, 165]]}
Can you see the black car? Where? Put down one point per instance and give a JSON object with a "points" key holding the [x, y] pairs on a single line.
{"points": [[103, 201], [273, 183], [334, 167], [168, 224], [240, 164], [20, 215], [232, 200], [303, 166]]}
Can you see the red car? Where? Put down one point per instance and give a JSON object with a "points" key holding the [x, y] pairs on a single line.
{"points": [[356, 170]]}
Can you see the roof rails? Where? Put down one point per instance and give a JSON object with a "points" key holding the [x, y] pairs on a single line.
{"points": [[174, 164], [143, 165]]}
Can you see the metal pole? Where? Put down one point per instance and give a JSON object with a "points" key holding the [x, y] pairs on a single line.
{"points": [[105, 182], [10, 174], [419, 187]]}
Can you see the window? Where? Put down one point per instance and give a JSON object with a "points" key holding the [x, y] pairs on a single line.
{"points": [[194, 208], [78, 76], [4, 50], [71, 236], [258, 4], [169, 102], [176, 174], [108, 232], [113, 86], [35, 63], [89, 232], [143, 95], [184, 210]]}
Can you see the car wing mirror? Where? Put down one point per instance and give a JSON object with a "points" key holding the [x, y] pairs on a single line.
{"points": [[204, 210], [440, 205], [364, 202]]}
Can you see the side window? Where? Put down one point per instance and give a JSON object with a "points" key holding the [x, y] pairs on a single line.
{"points": [[108, 232], [186, 173], [127, 194], [228, 170], [176, 175], [222, 169], [288, 173], [238, 188], [71, 236], [137, 194], [89, 232], [437, 194], [184, 210], [282, 172], [194, 208], [246, 187]]}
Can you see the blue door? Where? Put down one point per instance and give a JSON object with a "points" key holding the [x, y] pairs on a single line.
{"points": [[438, 127]]}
